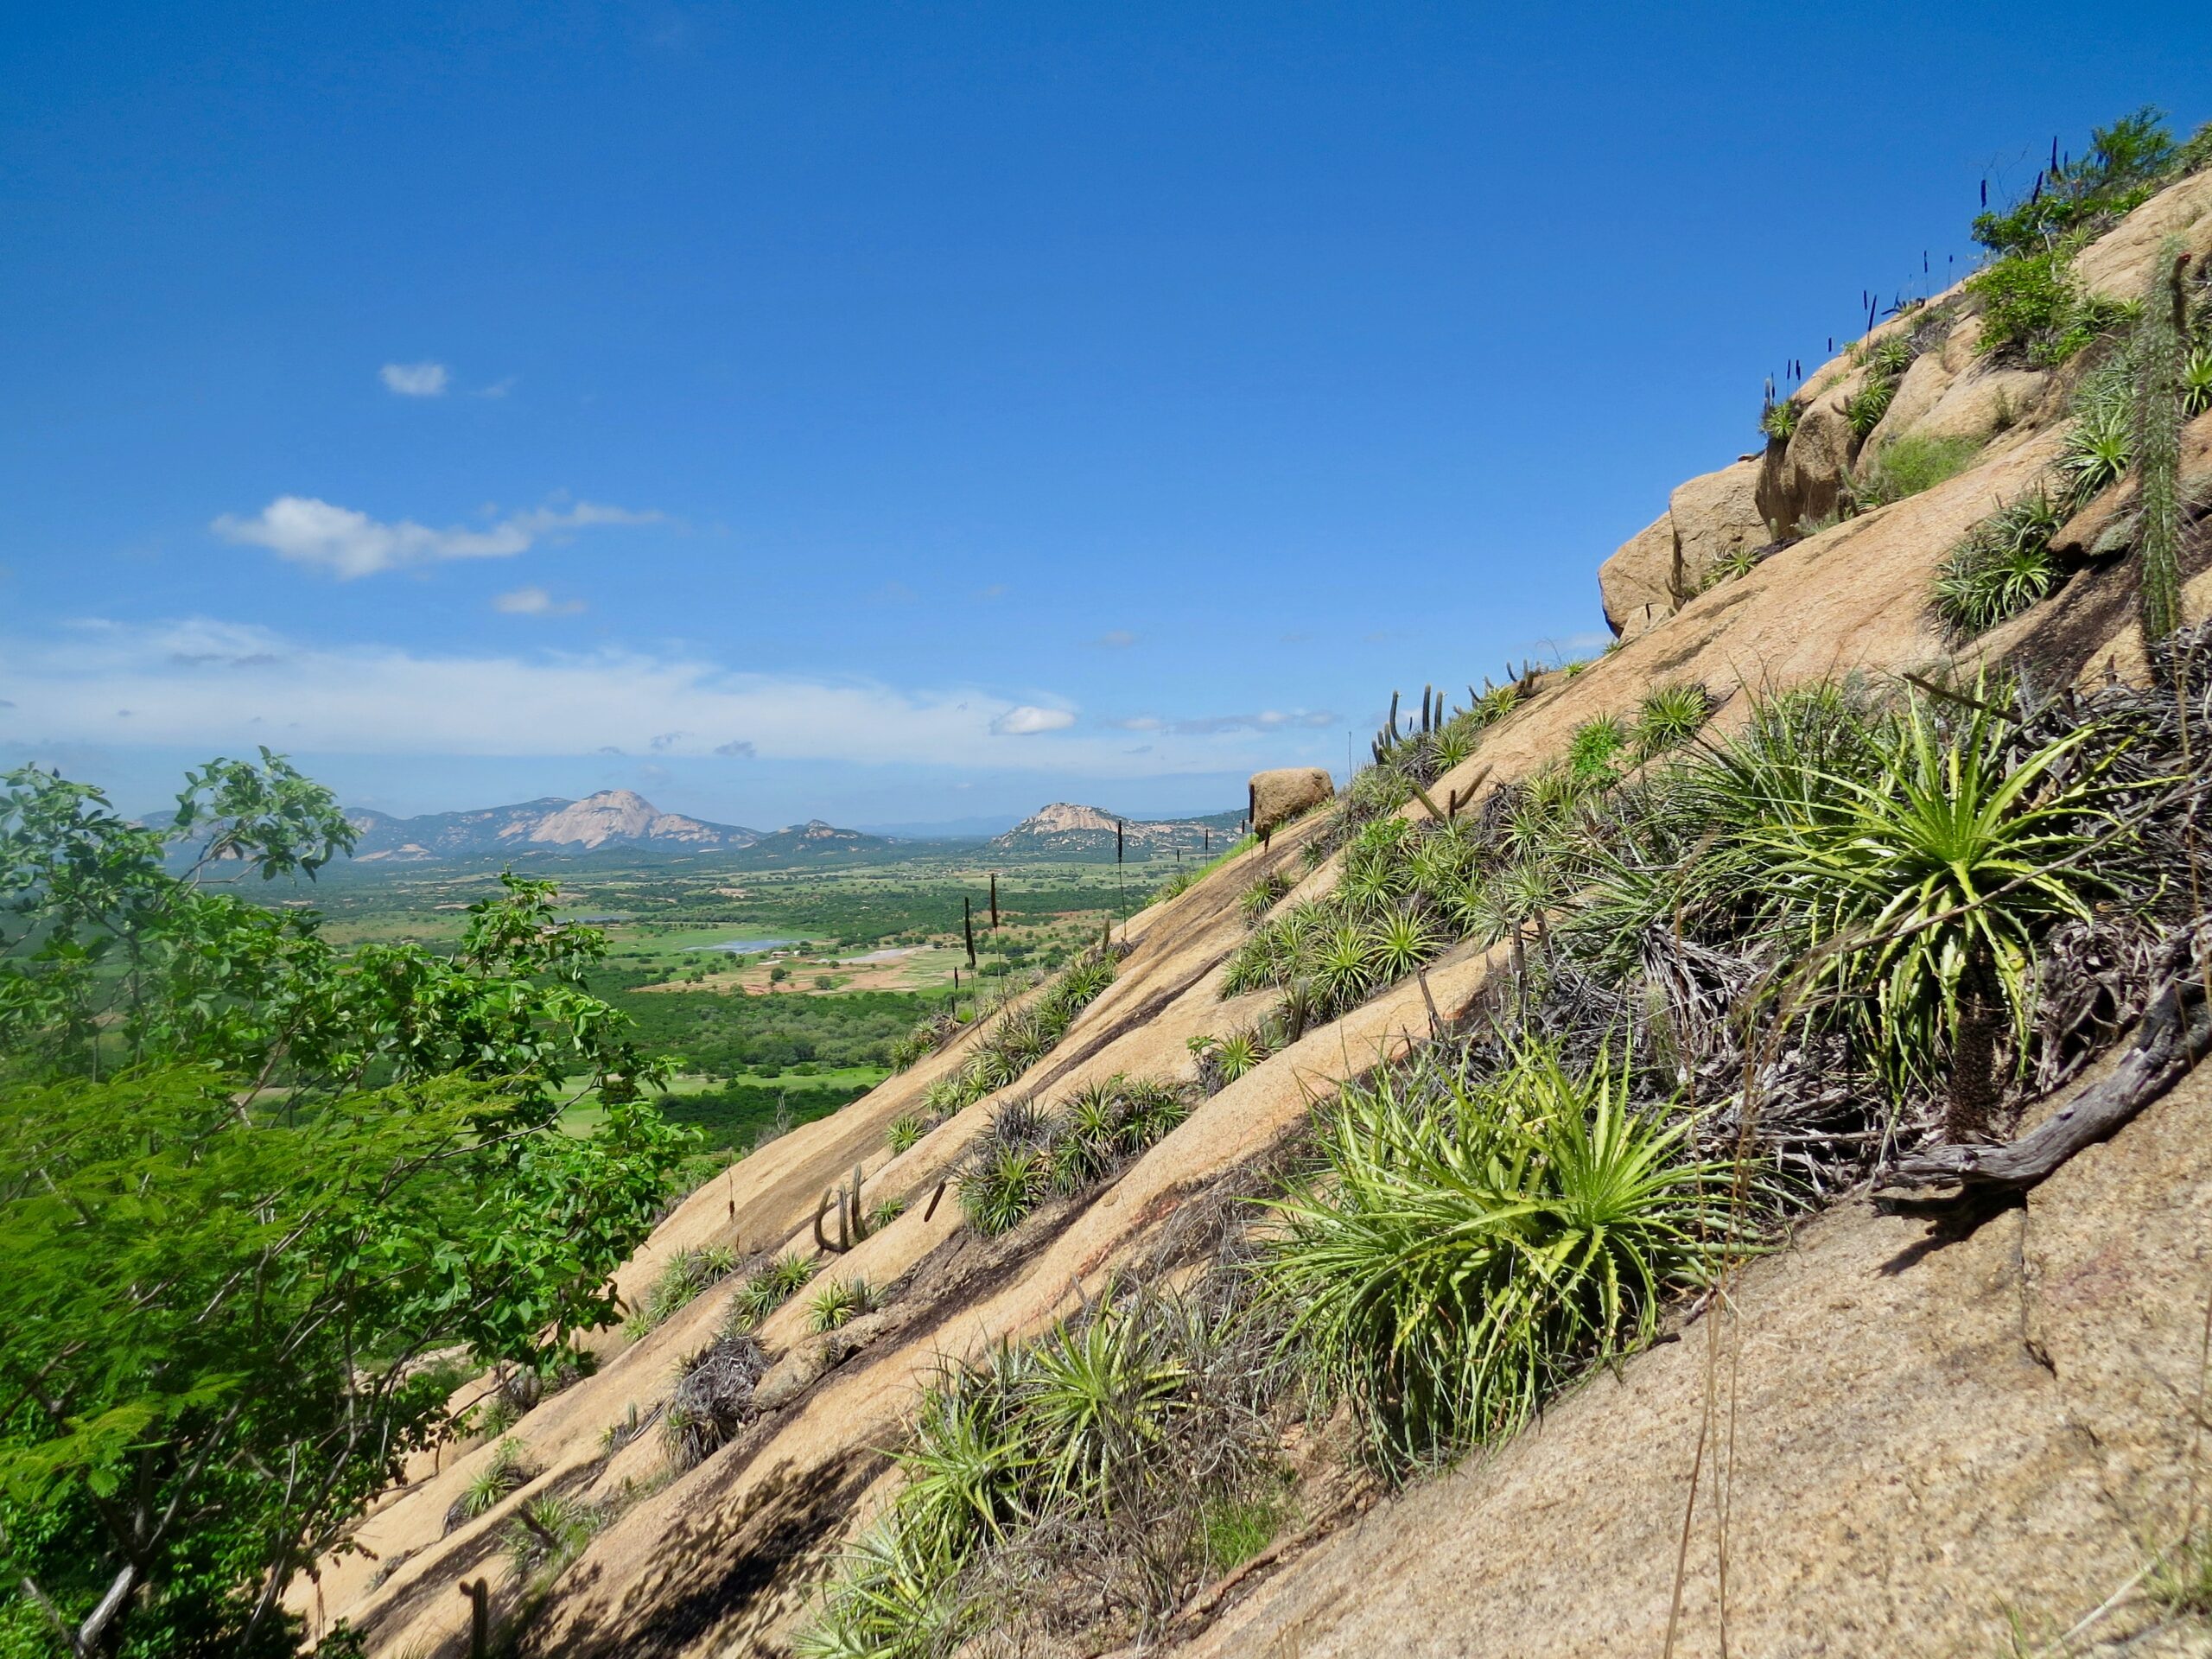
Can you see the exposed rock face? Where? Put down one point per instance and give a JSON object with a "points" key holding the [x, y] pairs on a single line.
{"points": [[2118, 265], [1067, 828], [1713, 515], [1281, 795], [1636, 583], [613, 815], [1805, 480], [1929, 1426], [1922, 387]]}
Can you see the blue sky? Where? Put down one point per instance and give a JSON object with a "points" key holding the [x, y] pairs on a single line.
{"points": [[914, 413]]}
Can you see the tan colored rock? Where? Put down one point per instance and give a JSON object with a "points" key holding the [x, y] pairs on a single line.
{"points": [[1281, 795], [1920, 1431], [1985, 400], [1961, 346], [1805, 480], [2118, 263], [1636, 583], [1713, 515], [1916, 396]]}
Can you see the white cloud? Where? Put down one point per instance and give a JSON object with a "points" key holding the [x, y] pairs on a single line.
{"points": [[1115, 639], [535, 602], [1267, 720], [348, 543], [414, 379], [1025, 720], [207, 685]]}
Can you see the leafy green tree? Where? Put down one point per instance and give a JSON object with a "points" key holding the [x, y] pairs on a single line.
{"points": [[252, 1184]]}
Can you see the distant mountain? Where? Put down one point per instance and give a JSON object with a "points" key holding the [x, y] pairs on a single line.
{"points": [[1067, 830], [817, 843], [612, 818]]}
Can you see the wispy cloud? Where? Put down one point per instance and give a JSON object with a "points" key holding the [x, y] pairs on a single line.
{"points": [[414, 379], [209, 686], [1115, 639], [1267, 720], [1025, 720], [535, 602], [350, 544]]}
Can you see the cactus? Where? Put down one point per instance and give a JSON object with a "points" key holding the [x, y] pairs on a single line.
{"points": [[2161, 349], [852, 1221]]}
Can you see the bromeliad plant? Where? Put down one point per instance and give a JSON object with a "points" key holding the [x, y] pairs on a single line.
{"points": [[1467, 1244], [1934, 880]]}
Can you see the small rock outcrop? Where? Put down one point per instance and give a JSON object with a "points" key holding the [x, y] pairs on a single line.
{"points": [[1281, 795], [1636, 584]]}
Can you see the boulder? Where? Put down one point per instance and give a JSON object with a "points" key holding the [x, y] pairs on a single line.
{"points": [[1281, 795], [1713, 515], [2118, 265], [1805, 479], [1985, 400], [1917, 394], [1636, 583]]}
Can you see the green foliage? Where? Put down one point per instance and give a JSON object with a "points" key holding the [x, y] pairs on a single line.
{"points": [[1467, 1245], [1934, 880], [1779, 421], [769, 1286], [1117, 1414], [839, 1302], [2099, 449], [2033, 308], [1909, 463], [1263, 894], [2124, 166], [548, 1532], [1731, 563], [2196, 379], [1237, 1528], [1669, 716], [1595, 745], [687, 1273], [1026, 1155], [2004, 566], [907, 1132], [2179, 1577], [507, 1471], [248, 1180], [1869, 403]]}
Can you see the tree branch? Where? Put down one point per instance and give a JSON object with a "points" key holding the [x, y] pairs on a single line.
{"points": [[2174, 1032]]}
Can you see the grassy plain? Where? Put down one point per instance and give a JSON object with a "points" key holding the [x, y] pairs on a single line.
{"points": [[849, 959]]}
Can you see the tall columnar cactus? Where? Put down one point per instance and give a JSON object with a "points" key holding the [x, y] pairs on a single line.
{"points": [[2162, 347]]}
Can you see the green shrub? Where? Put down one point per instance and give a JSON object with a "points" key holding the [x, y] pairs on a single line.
{"points": [[1237, 1528], [2197, 380], [2002, 567], [508, 1470], [1869, 403], [548, 1533], [2099, 449], [1934, 880], [770, 1286], [907, 1132], [1467, 1245], [839, 1302], [687, 1273], [1008, 1172], [1779, 421], [1594, 747], [1261, 896], [2125, 163], [1669, 716], [1731, 562], [1909, 463]]}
